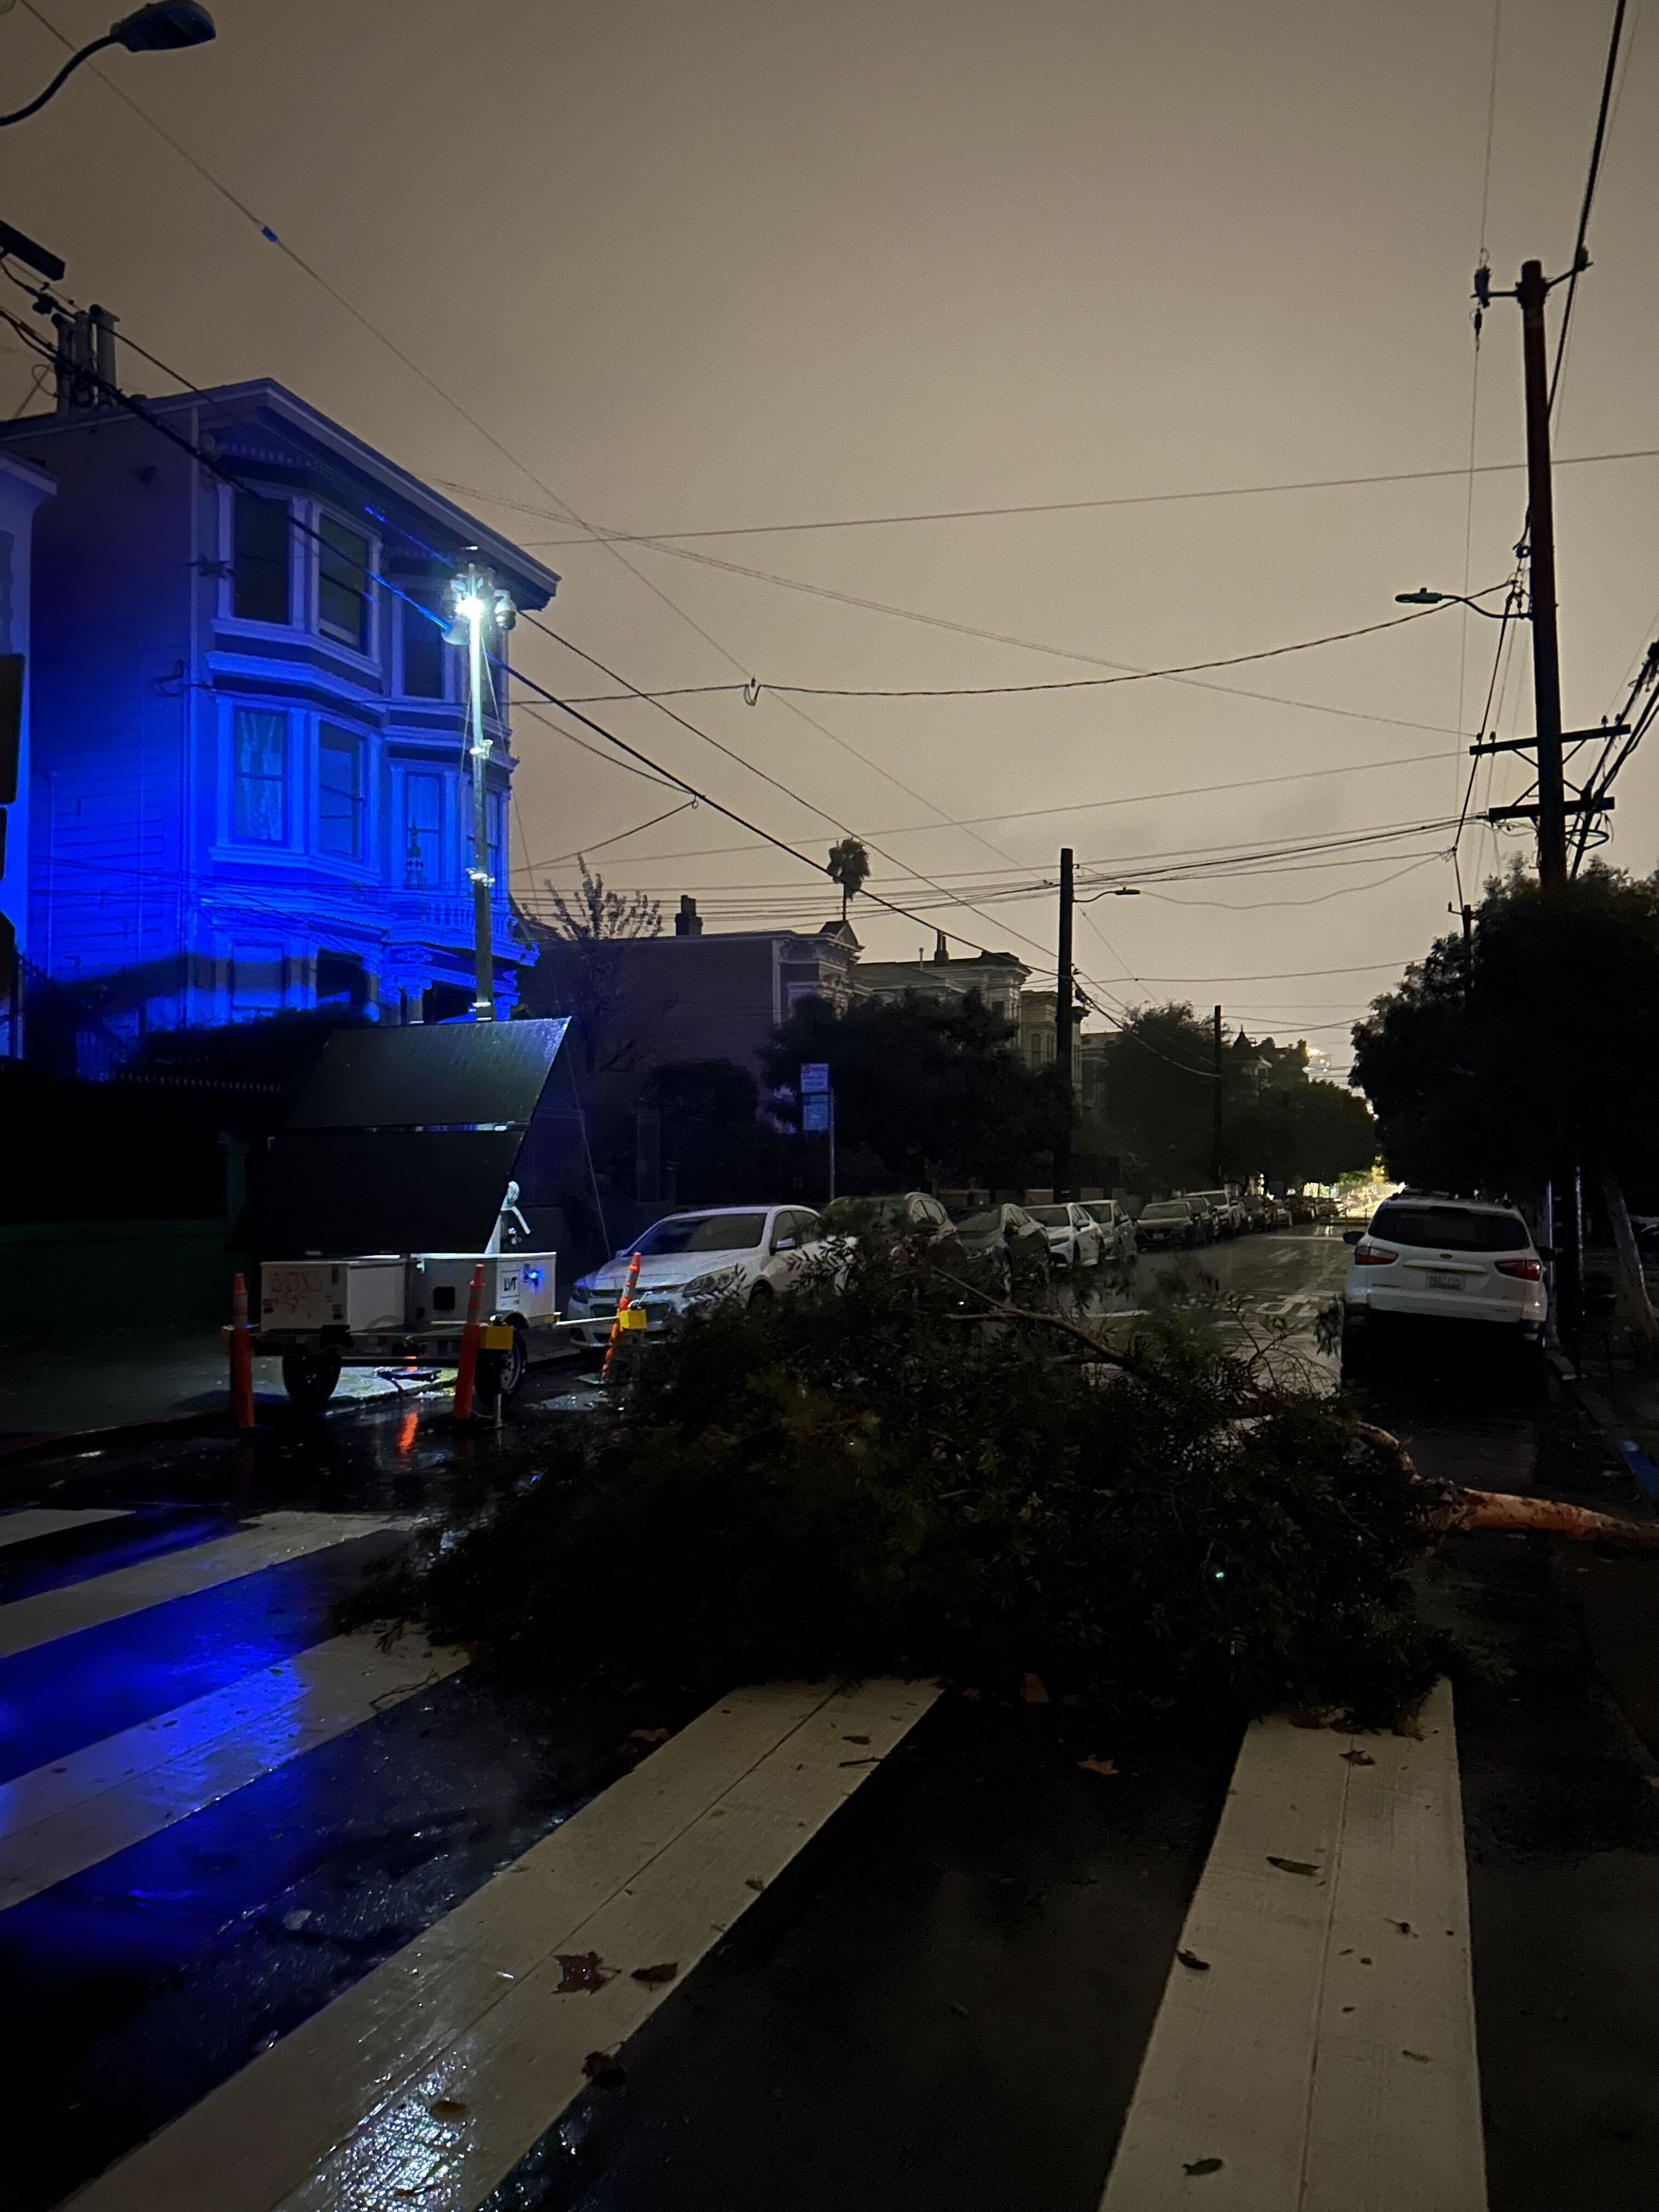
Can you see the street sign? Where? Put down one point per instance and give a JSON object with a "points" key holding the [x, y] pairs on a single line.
{"points": [[814, 1077], [815, 1111]]}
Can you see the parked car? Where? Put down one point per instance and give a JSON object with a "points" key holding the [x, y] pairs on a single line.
{"points": [[1204, 1220], [910, 1219], [1117, 1231], [1167, 1224], [1443, 1260], [1227, 1213], [1074, 1238], [747, 1252], [1006, 1237]]}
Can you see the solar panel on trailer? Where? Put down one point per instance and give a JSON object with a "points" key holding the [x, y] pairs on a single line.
{"points": [[341, 1192], [430, 1075]]}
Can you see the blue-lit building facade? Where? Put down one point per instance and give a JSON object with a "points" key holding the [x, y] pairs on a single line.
{"points": [[249, 778]]}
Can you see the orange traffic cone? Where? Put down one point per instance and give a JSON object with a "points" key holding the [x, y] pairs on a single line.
{"points": [[624, 1305]]}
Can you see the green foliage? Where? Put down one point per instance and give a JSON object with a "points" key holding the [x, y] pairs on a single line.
{"points": [[848, 865], [1159, 1104], [866, 1481], [1543, 1046], [932, 1090]]}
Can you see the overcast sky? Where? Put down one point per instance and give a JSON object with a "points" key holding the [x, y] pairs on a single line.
{"points": [[697, 269]]}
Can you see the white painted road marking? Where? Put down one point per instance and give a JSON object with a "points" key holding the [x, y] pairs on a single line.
{"points": [[61, 1819], [1328, 2057], [29, 1522], [430, 2079], [266, 1542]]}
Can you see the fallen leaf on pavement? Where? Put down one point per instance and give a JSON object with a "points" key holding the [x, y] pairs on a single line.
{"points": [[1421, 2056], [1096, 1766], [602, 2066], [581, 1970], [1404, 1926], [663, 1973], [1412, 1728], [1203, 2166], [1193, 1963], [859, 1762], [960, 2010], [1292, 1866], [753, 1882], [855, 1739], [1357, 1757], [648, 1736], [1031, 1691], [446, 2108]]}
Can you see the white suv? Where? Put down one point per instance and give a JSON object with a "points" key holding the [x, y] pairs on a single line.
{"points": [[1443, 1260], [748, 1252]]}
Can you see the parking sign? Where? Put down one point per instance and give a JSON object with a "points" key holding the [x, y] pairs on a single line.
{"points": [[814, 1078]]}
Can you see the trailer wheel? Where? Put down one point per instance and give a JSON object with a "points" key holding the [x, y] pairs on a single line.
{"points": [[309, 1378], [501, 1373]]}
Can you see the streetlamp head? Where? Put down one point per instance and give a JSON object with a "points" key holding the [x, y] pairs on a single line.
{"points": [[1423, 597], [163, 26], [470, 609]]}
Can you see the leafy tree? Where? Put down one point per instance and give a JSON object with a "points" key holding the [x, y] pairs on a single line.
{"points": [[932, 1090], [1159, 1105]]}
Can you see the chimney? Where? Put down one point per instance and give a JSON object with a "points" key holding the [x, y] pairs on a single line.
{"points": [[688, 922], [941, 950], [103, 354]]}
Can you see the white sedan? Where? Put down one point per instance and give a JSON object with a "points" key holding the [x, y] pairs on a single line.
{"points": [[1443, 1260], [748, 1252], [1075, 1237]]}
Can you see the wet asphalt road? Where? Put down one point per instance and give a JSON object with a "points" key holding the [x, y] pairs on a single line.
{"points": [[944, 1998]]}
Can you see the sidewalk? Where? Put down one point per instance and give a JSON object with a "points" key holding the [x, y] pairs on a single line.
{"points": [[121, 1378]]}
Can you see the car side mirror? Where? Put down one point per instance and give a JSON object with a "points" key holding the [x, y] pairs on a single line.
{"points": [[1352, 1236]]}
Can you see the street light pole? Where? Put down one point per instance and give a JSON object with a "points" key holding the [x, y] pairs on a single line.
{"points": [[480, 606], [1063, 1029]]}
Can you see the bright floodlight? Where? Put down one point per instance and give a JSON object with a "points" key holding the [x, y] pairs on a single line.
{"points": [[472, 607]]}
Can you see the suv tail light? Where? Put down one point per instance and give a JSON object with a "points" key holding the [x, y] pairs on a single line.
{"points": [[1529, 1271], [1367, 1254]]}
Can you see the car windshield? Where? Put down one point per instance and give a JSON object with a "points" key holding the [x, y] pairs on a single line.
{"points": [[978, 1224], [1051, 1217], [701, 1233], [1450, 1229], [845, 1214], [1167, 1209]]}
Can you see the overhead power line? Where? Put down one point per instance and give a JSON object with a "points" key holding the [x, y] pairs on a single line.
{"points": [[1020, 508]]}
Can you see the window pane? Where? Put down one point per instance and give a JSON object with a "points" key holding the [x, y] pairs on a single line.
{"points": [[423, 647], [496, 818], [259, 777], [342, 583], [340, 793], [423, 831], [260, 559]]}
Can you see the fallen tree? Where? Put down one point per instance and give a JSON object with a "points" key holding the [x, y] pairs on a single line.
{"points": [[904, 1475]]}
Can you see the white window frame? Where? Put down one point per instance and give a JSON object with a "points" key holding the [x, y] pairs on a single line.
{"points": [[445, 886], [370, 657], [227, 843], [366, 867], [225, 615]]}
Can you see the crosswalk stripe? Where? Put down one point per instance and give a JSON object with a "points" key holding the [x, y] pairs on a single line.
{"points": [[1324, 2052], [59, 1820], [430, 2079], [263, 1543], [29, 1522]]}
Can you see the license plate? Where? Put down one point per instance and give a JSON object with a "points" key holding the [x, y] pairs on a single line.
{"points": [[1445, 1282]]}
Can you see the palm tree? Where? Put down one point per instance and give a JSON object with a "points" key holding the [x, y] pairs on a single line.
{"points": [[848, 865]]}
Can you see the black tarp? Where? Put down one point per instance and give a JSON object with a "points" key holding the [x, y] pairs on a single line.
{"points": [[395, 1145]]}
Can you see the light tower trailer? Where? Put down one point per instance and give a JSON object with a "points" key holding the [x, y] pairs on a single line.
{"points": [[393, 1181]]}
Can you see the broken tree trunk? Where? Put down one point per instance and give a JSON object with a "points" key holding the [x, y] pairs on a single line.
{"points": [[1459, 1509]]}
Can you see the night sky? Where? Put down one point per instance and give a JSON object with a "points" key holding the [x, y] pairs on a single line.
{"points": [[695, 268]]}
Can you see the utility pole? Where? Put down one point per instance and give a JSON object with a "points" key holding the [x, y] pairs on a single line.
{"points": [[479, 606], [1063, 1027], [1532, 292], [1217, 1102]]}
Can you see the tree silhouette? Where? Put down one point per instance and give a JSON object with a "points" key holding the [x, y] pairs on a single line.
{"points": [[848, 865]]}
